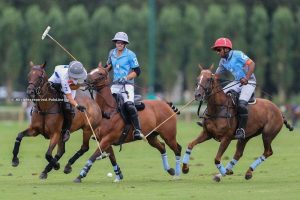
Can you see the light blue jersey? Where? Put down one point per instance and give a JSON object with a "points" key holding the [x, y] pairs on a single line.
{"points": [[236, 64], [123, 64]]}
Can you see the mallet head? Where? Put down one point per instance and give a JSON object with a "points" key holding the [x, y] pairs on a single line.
{"points": [[46, 32]]}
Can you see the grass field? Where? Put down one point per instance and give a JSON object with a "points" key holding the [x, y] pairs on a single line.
{"points": [[277, 178]]}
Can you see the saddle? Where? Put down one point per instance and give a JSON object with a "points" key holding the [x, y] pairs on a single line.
{"points": [[235, 97], [121, 109]]}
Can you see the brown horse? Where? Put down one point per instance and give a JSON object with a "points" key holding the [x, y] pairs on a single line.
{"points": [[220, 123], [47, 120], [155, 113]]}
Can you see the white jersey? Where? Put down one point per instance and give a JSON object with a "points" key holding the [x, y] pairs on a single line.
{"points": [[61, 76]]}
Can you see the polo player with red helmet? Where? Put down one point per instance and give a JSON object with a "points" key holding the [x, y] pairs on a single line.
{"points": [[242, 68]]}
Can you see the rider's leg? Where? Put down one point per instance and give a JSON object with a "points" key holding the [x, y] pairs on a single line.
{"points": [[245, 95], [68, 112], [132, 112]]}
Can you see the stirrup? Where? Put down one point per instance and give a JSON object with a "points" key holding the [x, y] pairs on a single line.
{"points": [[240, 133], [137, 135]]}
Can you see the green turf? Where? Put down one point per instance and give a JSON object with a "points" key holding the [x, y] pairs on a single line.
{"points": [[277, 178]]}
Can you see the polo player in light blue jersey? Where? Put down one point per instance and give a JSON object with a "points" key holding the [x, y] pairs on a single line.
{"points": [[242, 68], [125, 68]]}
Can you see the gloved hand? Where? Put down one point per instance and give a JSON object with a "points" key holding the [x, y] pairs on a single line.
{"points": [[81, 108], [122, 80], [244, 81]]}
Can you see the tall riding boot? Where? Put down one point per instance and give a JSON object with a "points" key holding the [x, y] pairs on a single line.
{"points": [[68, 112], [242, 119], [131, 110]]}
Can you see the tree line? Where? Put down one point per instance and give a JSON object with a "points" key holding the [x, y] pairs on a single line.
{"points": [[184, 35]]}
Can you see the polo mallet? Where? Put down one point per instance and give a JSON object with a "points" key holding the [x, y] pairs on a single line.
{"points": [[183, 107], [103, 153], [46, 33]]}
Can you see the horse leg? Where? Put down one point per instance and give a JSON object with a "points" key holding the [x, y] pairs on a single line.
{"points": [[222, 148], [84, 148], [160, 146], [15, 159], [60, 152], [186, 158], [104, 144], [113, 161], [240, 147], [267, 153], [52, 161], [172, 143]]}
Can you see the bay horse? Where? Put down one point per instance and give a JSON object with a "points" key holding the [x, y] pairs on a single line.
{"points": [[47, 120], [155, 112], [220, 123]]}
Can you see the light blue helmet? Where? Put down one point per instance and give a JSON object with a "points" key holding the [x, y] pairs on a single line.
{"points": [[121, 36], [77, 71]]}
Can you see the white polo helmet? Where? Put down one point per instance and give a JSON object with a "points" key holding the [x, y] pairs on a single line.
{"points": [[121, 36], [77, 71]]}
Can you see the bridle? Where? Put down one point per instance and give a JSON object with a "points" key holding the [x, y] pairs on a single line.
{"points": [[93, 86], [208, 88], [39, 83]]}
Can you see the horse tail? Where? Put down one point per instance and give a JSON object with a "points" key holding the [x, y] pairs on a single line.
{"points": [[287, 125], [174, 108]]}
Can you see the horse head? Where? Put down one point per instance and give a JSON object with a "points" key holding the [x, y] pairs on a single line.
{"points": [[98, 78], [204, 84], [37, 77]]}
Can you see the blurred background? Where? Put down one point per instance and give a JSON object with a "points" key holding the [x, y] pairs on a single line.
{"points": [[170, 38]]}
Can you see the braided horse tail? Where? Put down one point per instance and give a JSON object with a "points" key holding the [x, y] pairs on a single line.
{"points": [[287, 125], [174, 108]]}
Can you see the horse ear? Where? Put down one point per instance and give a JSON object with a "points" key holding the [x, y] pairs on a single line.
{"points": [[211, 67], [44, 65], [200, 67], [100, 65], [31, 64]]}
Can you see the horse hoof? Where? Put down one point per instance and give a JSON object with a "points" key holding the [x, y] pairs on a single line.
{"points": [[217, 178], [121, 176], [171, 171], [185, 169], [117, 180], [68, 169], [77, 180], [248, 176], [229, 172], [43, 175], [176, 177], [56, 166], [15, 162]]}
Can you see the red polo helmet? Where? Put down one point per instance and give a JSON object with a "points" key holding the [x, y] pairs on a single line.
{"points": [[222, 42]]}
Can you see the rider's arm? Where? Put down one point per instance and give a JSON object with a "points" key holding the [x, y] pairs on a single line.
{"points": [[251, 66], [134, 73], [71, 100], [219, 71], [108, 64]]}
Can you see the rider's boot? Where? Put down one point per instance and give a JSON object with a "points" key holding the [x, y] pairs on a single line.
{"points": [[68, 112], [131, 110], [242, 119]]}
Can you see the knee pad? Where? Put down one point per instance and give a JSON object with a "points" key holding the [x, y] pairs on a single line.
{"points": [[242, 107], [130, 108], [68, 109]]}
